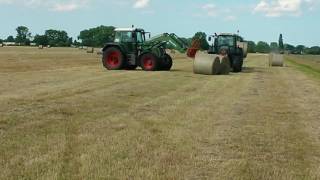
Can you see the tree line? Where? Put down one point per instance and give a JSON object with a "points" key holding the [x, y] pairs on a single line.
{"points": [[98, 36]]}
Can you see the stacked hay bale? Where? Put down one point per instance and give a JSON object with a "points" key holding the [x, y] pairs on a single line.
{"points": [[100, 52], [211, 64], [90, 50], [276, 60]]}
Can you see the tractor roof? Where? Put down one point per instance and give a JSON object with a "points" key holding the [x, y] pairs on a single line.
{"points": [[128, 29], [228, 34]]}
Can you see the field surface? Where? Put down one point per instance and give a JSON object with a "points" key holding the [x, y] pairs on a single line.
{"points": [[63, 116]]}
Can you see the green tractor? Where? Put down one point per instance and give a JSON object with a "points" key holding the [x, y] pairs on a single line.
{"points": [[231, 45], [130, 50]]}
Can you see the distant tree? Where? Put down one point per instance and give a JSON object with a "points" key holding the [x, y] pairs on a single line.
{"points": [[315, 50], [76, 43], [97, 37], [299, 49], [281, 46], [274, 47], [263, 47], [57, 38], [204, 45], [251, 47], [1, 41], [41, 40], [10, 39], [23, 35], [289, 48]]}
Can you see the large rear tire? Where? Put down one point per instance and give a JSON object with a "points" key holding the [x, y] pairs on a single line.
{"points": [[166, 63], [113, 59], [149, 62]]}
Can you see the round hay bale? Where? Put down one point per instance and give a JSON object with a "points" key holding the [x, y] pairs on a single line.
{"points": [[48, 46], [40, 47], [224, 65], [1, 45], [90, 50], [276, 60], [207, 64]]}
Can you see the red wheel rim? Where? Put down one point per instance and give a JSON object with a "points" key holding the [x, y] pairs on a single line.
{"points": [[113, 59], [148, 63]]}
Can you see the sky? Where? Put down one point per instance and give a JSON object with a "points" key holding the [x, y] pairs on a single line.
{"points": [[257, 20]]}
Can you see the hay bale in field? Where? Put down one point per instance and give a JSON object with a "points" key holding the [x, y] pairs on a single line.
{"points": [[211, 64], [48, 46], [207, 64], [80, 47], [100, 52], [40, 47], [276, 60], [224, 65], [1, 45], [90, 50]]}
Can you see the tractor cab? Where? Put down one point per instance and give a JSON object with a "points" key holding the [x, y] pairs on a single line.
{"points": [[225, 42], [129, 35]]}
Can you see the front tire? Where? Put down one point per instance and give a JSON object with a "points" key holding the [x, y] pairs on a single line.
{"points": [[167, 63], [149, 62], [113, 59]]}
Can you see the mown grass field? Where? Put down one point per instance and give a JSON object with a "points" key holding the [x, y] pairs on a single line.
{"points": [[63, 116]]}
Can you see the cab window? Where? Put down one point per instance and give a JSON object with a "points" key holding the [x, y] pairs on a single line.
{"points": [[140, 37], [123, 36], [225, 40]]}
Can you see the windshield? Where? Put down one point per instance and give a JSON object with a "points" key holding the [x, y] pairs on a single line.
{"points": [[123, 36], [225, 40]]}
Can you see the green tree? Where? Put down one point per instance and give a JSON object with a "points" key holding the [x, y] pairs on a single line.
{"points": [[315, 50], [23, 35], [299, 49], [251, 47], [97, 36], [57, 38], [41, 40], [263, 47], [204, 45], [1, 41], [289, 48], [10, 39], [281, 46], [274, 47]]}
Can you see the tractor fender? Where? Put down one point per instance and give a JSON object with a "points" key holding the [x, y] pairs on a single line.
{"points": [[116, 46]]}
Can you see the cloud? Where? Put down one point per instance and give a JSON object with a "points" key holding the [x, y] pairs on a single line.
{"points": [[210, 9], [53, 5], [277, 8], [230, 18], [139, 4]]}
